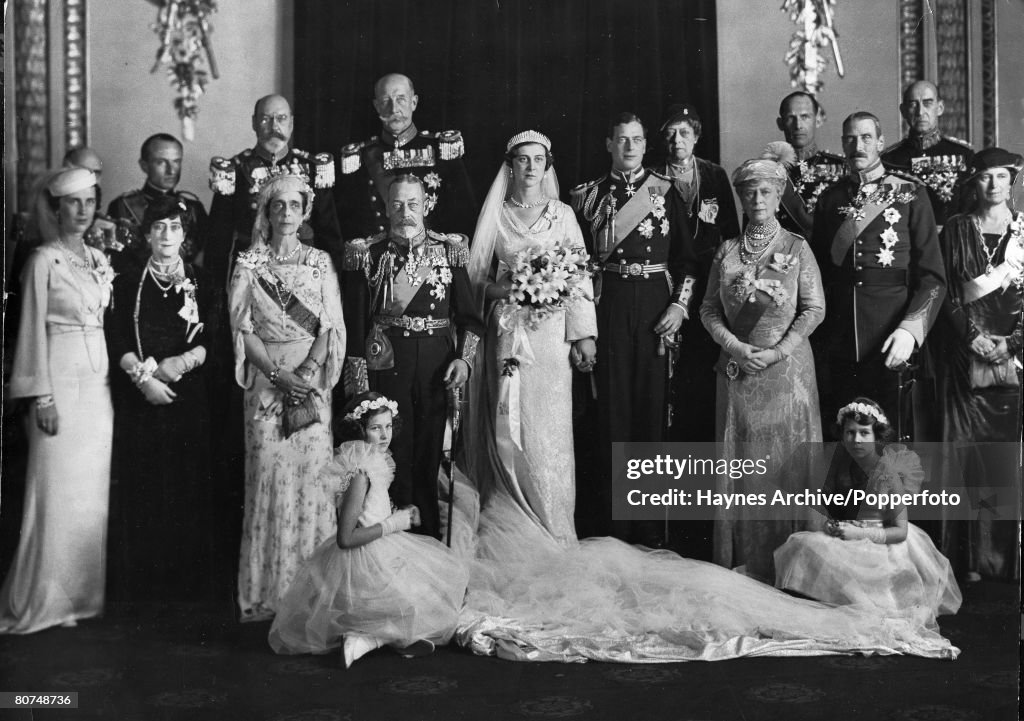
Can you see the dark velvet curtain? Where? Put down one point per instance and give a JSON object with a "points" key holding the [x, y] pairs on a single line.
{"points": [[491, 68]]}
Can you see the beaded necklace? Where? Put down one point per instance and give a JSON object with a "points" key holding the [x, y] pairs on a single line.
{"points": [[520, 204], [756, 239], [990, 254]]}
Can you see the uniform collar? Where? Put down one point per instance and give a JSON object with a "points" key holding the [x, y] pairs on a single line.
{"points": [[807, 152], [871, 175], [629, 177], [151, 191], [264, 155], [401, 139], [404, 245], [926, 140]]}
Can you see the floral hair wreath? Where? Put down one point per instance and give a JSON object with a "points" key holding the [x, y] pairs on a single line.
{"points": [[372, 405], [861, 409]]}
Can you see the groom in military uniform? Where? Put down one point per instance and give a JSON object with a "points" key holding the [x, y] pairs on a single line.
{"points": [[408, 295], [637, 232], [368, 167], [877, 247]]}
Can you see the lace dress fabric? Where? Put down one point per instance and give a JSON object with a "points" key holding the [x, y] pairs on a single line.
{"points": [[398, 589], [773, 411], [285, 516], [58, 574]]}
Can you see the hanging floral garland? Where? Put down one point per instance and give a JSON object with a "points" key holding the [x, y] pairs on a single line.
{"points": [[185, 50], [805, 57]]}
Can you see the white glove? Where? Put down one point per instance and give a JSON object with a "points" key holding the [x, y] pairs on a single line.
{"points": [[855, 533], [397, 521]]}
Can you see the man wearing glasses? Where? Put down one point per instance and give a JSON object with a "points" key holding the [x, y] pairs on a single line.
{"points": [[236, 183], [638, 236]]}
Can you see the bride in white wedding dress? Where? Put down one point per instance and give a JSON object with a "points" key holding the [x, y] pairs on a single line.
{"points": [[538, 594]]}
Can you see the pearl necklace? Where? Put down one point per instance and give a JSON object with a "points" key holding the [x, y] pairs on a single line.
{"points": [[520, 204], [170, 274], [756, 239], [288, 256]]}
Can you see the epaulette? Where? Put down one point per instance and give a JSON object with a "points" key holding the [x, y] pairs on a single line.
{"points": [[357, 252], [904, 175], [186, 195], [324, 177], [450, 145], [350, 157], [958, 141], [456, 247], [831, 157], [300, 153], [895, 146], [578, 194], [222, 175]]}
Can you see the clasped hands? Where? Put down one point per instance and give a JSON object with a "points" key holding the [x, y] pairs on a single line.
{"points": [[294, 385], [583, 354], [852, 530], [991, 348], [753, 359]]}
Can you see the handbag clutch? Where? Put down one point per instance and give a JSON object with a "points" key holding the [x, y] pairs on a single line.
{"points": [[992, 375], [305, 414], [380, 354]]}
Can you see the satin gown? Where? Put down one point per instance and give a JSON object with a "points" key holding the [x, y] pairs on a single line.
{"points": [[59, 571]]}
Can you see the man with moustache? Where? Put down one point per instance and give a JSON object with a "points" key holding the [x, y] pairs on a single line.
{"points": [[939, 161], [878, 251], [636, 228], [236, 184], [435, 158], [408, 296], [813, 170], [160, 159]]}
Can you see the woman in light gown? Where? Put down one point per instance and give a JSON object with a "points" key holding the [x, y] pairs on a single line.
{"points": [[536, 597], [864, 554], [764, 298], [289, 339], [60, 365], [523, 384]]}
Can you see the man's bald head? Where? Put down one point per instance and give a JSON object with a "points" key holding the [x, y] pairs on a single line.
{"points": [[395, 100], [272, 122], [922, 107]]}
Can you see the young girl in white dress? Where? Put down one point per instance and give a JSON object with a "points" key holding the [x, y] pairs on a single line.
{"points": [[867, 556], [374, 584]]}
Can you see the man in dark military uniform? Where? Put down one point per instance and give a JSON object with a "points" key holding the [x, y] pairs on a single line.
{"points": [[937, 160], [236, 183], [435, 158], [878, 251], [800, 116], [636, 230], [408, 296], [160, 160]]}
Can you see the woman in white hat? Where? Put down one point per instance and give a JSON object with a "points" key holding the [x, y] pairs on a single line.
{"points": [[60, 367]]}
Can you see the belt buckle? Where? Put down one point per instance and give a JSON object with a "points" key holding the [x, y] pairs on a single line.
{"points": [[633, 269], [417, 324]]}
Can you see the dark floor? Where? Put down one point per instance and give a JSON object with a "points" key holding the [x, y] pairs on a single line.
{"points": [[177, 662]]}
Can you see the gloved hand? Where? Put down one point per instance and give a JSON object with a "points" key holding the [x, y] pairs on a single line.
{"points": [[398, 521]]}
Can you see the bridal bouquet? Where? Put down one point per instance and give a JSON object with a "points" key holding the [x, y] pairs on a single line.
{"points": [[544, 279]]}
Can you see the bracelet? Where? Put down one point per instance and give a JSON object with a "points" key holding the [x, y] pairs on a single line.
{"points": [[273, 375], [44, 401], [142, 372]]}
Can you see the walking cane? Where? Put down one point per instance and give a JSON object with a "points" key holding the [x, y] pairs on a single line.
{"points": [[455, 417]]}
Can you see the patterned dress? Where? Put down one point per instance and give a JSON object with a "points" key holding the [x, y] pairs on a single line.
{"points": [[285, 516], [775, 302]]}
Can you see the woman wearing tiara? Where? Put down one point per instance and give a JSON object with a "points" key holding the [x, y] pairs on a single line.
{"points": [[523, 397]]}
